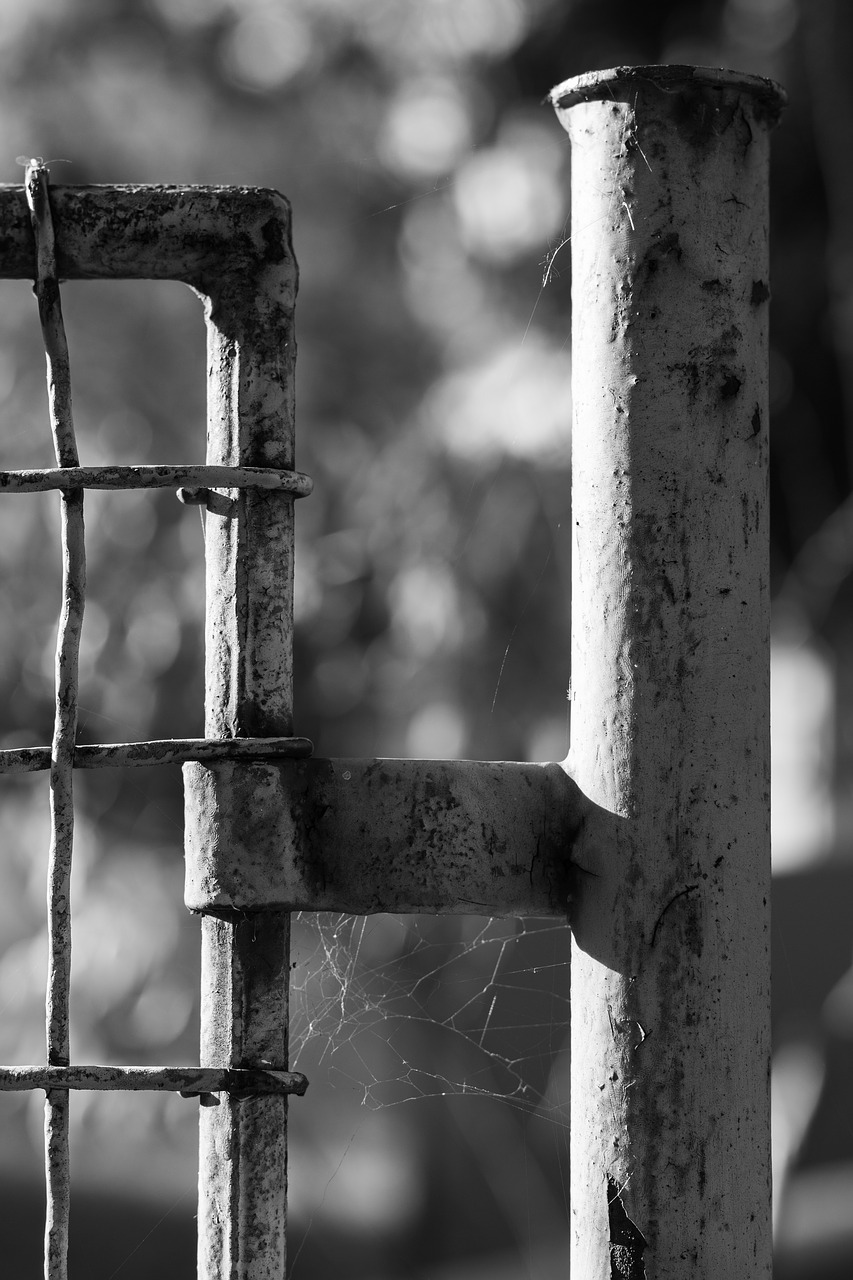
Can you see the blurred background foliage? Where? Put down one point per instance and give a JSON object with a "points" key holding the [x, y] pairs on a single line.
{"points": [[430, 194]]}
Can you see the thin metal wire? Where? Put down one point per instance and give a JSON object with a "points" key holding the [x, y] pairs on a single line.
{"points": [[191, 476], [162, 751], [65, 724], [188, 1081]]}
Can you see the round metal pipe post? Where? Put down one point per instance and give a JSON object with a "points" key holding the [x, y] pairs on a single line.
{"points": [[248, 693], [670, 673]]}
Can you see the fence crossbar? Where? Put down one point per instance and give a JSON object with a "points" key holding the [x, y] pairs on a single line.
{"points": [[191, 476], [158, 751], [188, 1081]]}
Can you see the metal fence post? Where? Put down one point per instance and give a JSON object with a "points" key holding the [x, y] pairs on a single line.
{"points": [[248, 692], [670, 673]]}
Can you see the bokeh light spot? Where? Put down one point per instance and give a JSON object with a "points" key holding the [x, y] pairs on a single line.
{"points": [[427, 128], [508, 199], [436, 732], [517, 401], [264, 51]]}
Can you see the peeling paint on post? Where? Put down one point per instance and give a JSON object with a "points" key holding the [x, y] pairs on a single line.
{"points": [[670, 672]]}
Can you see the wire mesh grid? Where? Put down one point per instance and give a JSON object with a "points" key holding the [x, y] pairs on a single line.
{"points": [[195, 484]]}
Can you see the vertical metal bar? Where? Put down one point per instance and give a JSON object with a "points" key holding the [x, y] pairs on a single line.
{"points": [[670, 673], [65, 724], [248, 691]]}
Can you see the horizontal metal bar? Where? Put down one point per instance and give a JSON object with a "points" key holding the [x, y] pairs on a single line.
{"points": [[364, 836], [188, 1081], [156, 477], [209, 237], [163, 751]]}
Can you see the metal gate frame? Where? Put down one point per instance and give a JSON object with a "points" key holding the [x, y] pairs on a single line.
{"points": [[670, 667], [232, 246]]}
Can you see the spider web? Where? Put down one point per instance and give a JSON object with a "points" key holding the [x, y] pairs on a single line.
{"points": [[406, 1007]]}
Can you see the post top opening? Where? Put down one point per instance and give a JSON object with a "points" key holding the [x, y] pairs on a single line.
{"points": [[605, 85]]}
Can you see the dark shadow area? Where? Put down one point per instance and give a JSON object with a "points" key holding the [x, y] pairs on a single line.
{"points": [[110, 1236]]}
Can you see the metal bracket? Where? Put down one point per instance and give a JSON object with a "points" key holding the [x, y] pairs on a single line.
{"points": [[362, 836]]}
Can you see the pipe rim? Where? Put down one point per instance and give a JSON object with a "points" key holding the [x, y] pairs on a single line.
{"points": [[668, 78]]}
